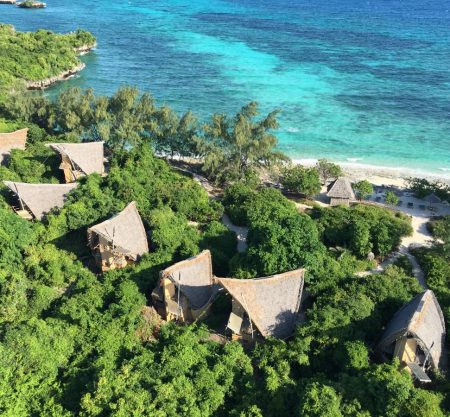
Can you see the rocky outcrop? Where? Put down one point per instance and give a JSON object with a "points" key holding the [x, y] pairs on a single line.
{"points": [[41, 84], [47, 82], [31, 4], [84, 49], [7, 1]]}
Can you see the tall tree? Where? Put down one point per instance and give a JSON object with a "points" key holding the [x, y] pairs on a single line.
{"points": [[301, 180], [174, 135], [328, 170], [233, 147], [363, 188]]}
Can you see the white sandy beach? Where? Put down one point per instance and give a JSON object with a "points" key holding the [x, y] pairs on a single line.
{"points": [[380, 175]]}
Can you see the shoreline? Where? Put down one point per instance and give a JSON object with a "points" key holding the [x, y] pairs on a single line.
{"points": [[47, 82], [65, 75], [379, 175]]}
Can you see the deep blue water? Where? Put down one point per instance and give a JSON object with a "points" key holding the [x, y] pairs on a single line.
{"points": [[361, 81]]}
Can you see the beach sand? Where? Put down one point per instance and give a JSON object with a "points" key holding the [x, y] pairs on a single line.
{"points": [[379, 175]]}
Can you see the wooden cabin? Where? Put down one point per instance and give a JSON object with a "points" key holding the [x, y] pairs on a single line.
{"points": [[80, 159], [34, 201], [416, 336], [264, 307], [185, 290], [118, 241], [13, 140], [341, 192]]}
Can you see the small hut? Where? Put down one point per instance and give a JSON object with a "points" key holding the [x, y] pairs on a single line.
{"points": [[13, 140], [79, 159], [266, 305], [34, 201], [340, 191], [118, 241], [186, 289], [416, 335], [432, 199]]}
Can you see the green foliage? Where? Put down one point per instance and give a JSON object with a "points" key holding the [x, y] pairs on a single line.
{"points": [[236, 198], [34, 56], [175, 136], [301, 180], [441, 233], [222, 243], [422, 188], [363, 189], [391, 198], [328, 170], [355, 355], [171, 233], [233, 147], [362, 228], [7, 126], [320, 401], [247, 206], [75, 343], [283, 245]]}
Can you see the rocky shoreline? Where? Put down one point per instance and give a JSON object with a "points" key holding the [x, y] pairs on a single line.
{"points": [[47, 82], [84, 49]]}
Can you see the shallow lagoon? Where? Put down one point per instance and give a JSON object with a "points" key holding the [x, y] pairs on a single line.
{"points": [[358, 82]]}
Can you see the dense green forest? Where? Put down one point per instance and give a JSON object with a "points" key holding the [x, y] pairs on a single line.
{"points": [[33, 56], [74, 342]]}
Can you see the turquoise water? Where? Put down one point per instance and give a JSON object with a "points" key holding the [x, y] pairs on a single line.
{"points": [[359, 81]]}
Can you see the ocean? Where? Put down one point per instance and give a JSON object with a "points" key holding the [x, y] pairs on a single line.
{"points": [[364, 82]]}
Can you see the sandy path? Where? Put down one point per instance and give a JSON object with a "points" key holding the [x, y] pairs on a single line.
{"points": [[419, 220], [241, 233]]}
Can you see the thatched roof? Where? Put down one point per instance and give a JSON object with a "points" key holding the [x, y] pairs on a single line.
{"points": [[194, 277], [13, 140], [341, 188], [423, 320], [271, 303], [88, 156], [40, 198], [124, 231], [432, 199]]}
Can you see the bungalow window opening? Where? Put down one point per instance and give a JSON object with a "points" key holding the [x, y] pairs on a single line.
{"points": [[174, 300], [71, 169], [409, 350], [240, 322], [19, 206]]}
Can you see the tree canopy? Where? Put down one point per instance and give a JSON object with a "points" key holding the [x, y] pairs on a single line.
{"points": [[76, 342], [35, 56]]}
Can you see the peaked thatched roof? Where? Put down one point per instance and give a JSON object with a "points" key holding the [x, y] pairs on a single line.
{"points": [[41, 198], [422, 319], [194, 277], [13, 140], [432, 199], [88, 156], [124, 231], [271, 303], [341, 188]]}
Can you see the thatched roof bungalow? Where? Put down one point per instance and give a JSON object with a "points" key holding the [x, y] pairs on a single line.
{"points": [[186, 289], [79, 159], [340, 191], [432, 199], [268, 305], [120, 240], [13, 140], [36, 200], [416, 335]]}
